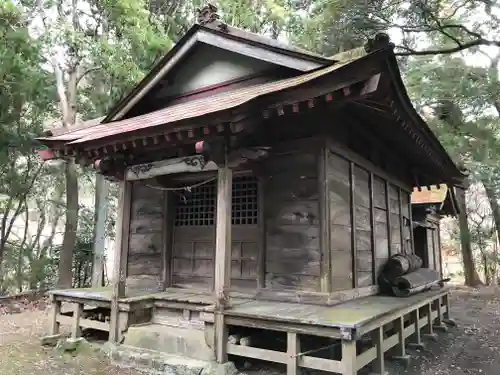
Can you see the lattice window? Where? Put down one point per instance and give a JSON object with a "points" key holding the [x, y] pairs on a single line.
{"points": [[196, 207], [199, 206], [245, 198]]}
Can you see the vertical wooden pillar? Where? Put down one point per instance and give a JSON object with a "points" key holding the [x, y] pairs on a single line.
{"points": [[349, 357], [56, 310], [324, 221], [77, 314], [401, 222], [261, 224], [400, 349], [379, 363], [372, 225], [222, 259], [101, 208], [167, 230], [438, 322], [447, 312], [439, 249], [446, 302], [352, 183], [410, 217], [292, 349], [389, 228], [429, 328], [433, 239], [416, 337], [120, 257]]}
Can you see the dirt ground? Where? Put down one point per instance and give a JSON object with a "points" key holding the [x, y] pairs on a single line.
{"points": [[471, 348], [22, 354]]}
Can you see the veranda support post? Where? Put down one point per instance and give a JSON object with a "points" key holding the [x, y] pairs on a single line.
{"points": [[120, 259], [222, 259]]}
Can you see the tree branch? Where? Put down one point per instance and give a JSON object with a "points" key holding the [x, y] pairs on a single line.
{"points": [[464, 46], [79, 78]]}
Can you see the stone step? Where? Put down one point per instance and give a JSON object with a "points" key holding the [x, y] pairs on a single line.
{"points": [[186, 342], [156, 363]]}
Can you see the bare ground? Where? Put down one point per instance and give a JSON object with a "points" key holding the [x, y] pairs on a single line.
{"points": [[22, 354], [471, 348]]}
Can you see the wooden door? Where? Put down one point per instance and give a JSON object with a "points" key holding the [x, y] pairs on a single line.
{"points": [[193, 239]]}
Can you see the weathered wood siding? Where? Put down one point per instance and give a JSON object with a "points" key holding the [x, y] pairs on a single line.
{"points": [[364, 262], [407, 228], [291, 211], [144, 268], [193, 256], [339, 196], [381, 229], [369, 220], [395, 220]]}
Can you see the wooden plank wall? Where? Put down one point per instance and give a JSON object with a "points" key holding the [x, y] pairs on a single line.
{"points": [[364, 261], [291, 211], [381, 216], [395, 219], [369, 221], [193, 252], [144, 268], [339, 196]]}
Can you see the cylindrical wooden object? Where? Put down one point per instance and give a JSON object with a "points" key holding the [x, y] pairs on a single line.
{"points": [[401, 264], [415, 282]]}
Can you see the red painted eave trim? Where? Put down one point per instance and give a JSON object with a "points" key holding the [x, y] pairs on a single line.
{"points": [[46, 154]]}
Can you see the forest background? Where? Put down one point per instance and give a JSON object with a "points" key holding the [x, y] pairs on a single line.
{"points": [[65, 61]]}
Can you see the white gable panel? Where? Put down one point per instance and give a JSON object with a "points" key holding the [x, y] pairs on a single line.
{"points": [[209, 66]]}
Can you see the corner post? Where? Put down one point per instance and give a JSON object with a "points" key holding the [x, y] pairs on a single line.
{"points": [[55, 311], [222, 259], [349, 357], [120, 258], [378, 366], [76, 330], [324, 221], [101, 207]]}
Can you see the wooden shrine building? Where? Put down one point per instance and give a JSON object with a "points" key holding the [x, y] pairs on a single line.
{"points": [[262, 189], [429, 205]]}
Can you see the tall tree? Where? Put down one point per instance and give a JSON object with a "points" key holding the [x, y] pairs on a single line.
{"points": [[96, 50], [24, 100]]}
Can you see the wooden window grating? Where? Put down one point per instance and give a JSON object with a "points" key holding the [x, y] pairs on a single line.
{"points": [[198, 206], [245, 198]]}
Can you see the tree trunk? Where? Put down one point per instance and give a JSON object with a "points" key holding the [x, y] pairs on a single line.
{"points": [[495, 206], [486, 268], [70, 228], [470, 273]]}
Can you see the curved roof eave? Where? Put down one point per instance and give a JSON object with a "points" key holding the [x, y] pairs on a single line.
{"points": [[406, 104]]}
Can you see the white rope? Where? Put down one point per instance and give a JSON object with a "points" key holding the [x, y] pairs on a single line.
{"points": [[183, 188]]}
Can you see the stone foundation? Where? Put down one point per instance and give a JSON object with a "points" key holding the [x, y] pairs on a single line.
{"points": [[155, 363]]}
